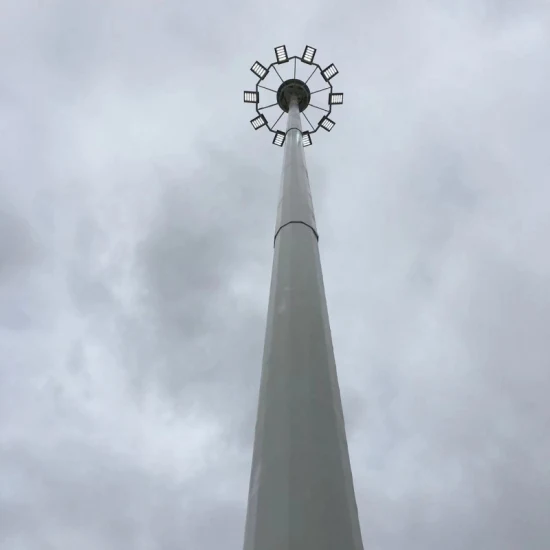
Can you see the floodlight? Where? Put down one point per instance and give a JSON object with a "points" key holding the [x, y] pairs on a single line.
{"points": [[280, 53], [292, 87], [259, 70], [251, 97], [258, 122], [329, 72], [279, 138], [308, 55], [326, 123], [335, 99]]}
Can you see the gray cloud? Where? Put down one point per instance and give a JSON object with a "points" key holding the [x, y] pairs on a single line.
{"points": [[135, 253], [18, 246]]}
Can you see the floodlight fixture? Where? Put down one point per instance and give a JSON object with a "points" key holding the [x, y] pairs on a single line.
{"points": [[336, 99], [258, 122], [292, 90], [251, 97], [330, 72], [279, 138], [308, 55], [280, 53], [326, 123], [259, 70]]}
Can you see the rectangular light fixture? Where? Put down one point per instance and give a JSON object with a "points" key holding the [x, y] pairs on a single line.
{"points": [[259, 70], [308, 55], [306, 139], [335, 99], [280, 53], [329, 72], [279, 138], [251, 97], [258, 122], [327, 124]]}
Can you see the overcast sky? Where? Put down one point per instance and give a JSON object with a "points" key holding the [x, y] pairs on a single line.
{"points": [[137, 209]]}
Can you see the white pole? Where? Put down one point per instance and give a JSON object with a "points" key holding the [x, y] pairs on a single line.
{"points": [[301, 489]]}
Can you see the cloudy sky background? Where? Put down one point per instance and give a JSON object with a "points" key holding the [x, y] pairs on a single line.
{"points": [[137, 208]]}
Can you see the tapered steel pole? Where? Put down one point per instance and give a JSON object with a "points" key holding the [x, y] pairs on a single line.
{"points": [[301, 493]]}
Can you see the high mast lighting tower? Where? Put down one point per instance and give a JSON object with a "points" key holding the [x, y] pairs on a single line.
{"points": [[301, 494]]}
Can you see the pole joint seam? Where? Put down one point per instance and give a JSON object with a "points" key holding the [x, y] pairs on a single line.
{"points": [[296, 221]]}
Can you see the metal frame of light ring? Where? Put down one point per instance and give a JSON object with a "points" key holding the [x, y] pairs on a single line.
{"points": [[329, 88]]}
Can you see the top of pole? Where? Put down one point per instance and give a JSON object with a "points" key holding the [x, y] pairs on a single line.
{"points": [[293, 87]]}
